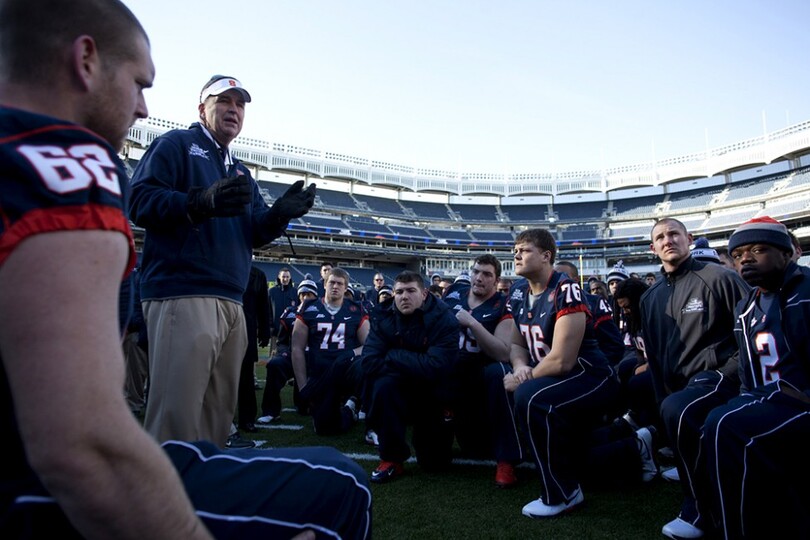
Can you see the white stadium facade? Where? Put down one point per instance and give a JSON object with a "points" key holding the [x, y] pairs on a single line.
{"points": [[377, 216]]}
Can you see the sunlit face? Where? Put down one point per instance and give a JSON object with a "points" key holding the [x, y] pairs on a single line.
{"points": [[223, 115], [118, 100], [379, 281], [612, 284], [483, 280], [284, 277], [335, 288], [650, 280], [530, 259], [408, 297], [761, 265], [671, 243]]}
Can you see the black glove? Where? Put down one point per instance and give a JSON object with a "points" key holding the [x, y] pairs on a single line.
{"points": [[224, 198], [295, 202]]}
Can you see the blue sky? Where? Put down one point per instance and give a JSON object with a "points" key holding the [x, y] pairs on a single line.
{"points": [[501, 87]]}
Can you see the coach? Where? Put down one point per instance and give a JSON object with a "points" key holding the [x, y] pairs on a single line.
{"points": [[203, 215]]}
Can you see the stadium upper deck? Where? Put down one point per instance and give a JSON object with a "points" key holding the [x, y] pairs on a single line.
{"points": [[373, 210]]}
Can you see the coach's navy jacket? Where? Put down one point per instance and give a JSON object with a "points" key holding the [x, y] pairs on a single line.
{"points": [[423, 345], [181, 258]]}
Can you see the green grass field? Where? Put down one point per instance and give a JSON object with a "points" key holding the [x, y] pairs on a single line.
{"points": [[464, 502]]}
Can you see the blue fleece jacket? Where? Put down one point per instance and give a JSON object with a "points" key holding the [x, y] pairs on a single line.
{"points": [[181, 258]]}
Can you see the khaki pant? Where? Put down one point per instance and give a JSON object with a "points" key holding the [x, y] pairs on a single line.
{"points": [[196, 347], [137, 367]]}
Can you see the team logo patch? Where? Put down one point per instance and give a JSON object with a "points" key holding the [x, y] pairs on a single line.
{"points": [[517, 294], [311, 308], [454, 296], [195, 150], [694, 305]]}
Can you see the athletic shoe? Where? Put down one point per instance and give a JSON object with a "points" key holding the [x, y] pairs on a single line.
{"points": [[372, 438], [679, 529], [387, 471], [249, 427], [649, 470], [538, 509], [505, 475], [671, 475], [628, 417], [351, 404], [236, 441], [361, 415], [265, 419]]}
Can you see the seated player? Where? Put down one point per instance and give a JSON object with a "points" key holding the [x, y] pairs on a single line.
{"points": [[328, 334]]}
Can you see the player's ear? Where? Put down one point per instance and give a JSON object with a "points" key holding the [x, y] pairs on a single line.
{"points": [[86, 62]]}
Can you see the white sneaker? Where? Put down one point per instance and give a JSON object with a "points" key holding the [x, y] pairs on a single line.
{"points": [[671, 475], [649, 470], [628, 417], [538, 509], [361, 415], [372, 438], [679, 529], [265, 419], [351, 404]]}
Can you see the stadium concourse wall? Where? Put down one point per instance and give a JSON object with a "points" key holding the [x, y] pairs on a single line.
{"points": [[376, 216]]}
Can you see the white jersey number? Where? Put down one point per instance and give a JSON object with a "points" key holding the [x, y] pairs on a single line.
{"points": [[768, 356], [333, 334], [73, 169], [534, 339]]}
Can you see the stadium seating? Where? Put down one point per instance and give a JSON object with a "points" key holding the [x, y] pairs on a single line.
{"points": [[586, 211], [617, 227], [427, 211], [381, 206], [476, 212]]}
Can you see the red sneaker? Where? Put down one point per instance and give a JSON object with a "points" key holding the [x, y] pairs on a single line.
{"points": [[505, 475], [387, 470]]}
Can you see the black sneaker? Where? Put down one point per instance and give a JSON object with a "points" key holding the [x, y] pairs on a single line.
{"points": [[249, 427], [236, 441]]}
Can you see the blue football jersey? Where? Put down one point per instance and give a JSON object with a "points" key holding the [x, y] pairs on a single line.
{"points": [[562, 296], [285, 326], [57, 176], [54, 176], [490, 313], [772, 334], [331, 336]]}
